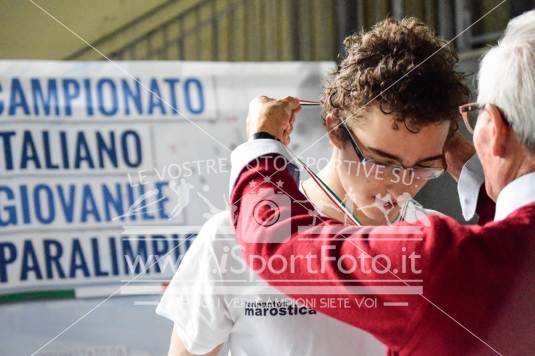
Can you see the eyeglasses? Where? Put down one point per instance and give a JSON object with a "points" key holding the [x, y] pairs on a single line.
{"points": [[418, 172], [470, 113]]}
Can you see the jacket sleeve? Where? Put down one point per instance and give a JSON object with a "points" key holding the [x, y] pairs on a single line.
{"points": [[310, 257]]}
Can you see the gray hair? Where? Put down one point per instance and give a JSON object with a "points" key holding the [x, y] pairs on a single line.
{"points": [[507, 77]]}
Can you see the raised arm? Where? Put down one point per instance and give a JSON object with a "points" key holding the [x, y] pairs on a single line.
{"points": [[309, 257]]}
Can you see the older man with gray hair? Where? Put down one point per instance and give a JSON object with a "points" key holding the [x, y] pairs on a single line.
{"points": [[502, 122], [478, 281], [504, 135]]}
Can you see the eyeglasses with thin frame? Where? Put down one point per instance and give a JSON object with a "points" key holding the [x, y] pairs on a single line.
{"points": [[470, 112], [423, 173]]}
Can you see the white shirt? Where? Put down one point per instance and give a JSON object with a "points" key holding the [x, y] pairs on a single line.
{"points": [[515, 195], [214, 298], [470, 181], [518, 193]]}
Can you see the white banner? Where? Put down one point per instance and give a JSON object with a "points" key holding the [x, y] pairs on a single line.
{"points": [[91, 148]]}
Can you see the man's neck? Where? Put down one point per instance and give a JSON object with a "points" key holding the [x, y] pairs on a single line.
{"points": [[519, 168]]}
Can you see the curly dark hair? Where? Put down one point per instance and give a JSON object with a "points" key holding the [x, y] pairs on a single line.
{"points": [[402, 67]]}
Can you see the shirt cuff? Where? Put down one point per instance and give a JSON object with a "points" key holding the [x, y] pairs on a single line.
{"points": [[247, 152], [469, 184]]}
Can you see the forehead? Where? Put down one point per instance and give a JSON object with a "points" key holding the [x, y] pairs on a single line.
{"points": [[380, 131]]}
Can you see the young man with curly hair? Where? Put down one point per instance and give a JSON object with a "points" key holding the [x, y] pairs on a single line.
{"points": [[393, 101], [388, 109]]}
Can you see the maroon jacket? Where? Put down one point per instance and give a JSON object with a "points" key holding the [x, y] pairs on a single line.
{"points": [[475, 284]]}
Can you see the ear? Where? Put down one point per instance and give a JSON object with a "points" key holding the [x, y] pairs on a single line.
{"points": [[332, 124], [499, 131]]}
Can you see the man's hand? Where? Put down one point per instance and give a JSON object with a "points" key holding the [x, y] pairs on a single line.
{"points": [[457, 151], [274, 116]]}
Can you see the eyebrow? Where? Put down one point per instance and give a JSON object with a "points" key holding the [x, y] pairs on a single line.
{"points": [[394, 157]]}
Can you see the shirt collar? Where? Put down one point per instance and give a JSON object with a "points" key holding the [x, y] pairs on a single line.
{"points": [[515, 195]]}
